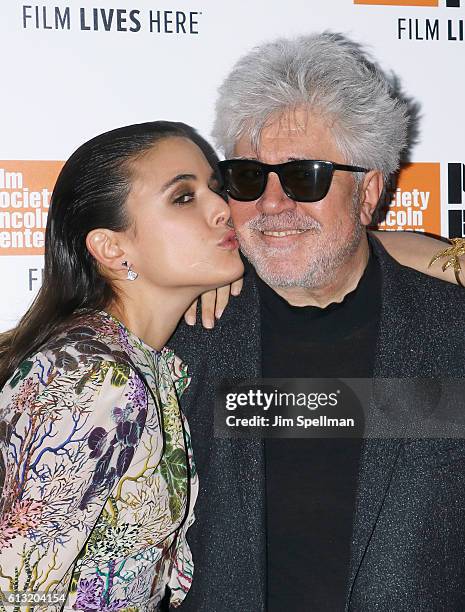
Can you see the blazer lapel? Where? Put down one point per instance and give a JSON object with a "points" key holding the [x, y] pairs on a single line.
{"points": [[250, 453], [378, 461], [397, 356]]}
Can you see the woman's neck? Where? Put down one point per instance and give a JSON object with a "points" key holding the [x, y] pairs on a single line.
{"points": [[153, 316]]}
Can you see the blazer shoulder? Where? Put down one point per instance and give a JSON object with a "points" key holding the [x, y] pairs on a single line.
{"points": [[432, 308], [412, 281]]}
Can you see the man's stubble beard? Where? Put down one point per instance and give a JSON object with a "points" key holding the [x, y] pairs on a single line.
{"points": [[323, 263]]}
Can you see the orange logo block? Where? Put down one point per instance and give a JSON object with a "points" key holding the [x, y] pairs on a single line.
{"points": [[399, 2], [25, 192], [415, 202]]}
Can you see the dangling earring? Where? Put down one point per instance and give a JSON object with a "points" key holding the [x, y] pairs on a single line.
{"points": [[131, 274]]}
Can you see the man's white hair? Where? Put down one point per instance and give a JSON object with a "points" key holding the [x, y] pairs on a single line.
{"points": [[327, 73]]}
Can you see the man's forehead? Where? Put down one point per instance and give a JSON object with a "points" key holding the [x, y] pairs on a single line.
{"points": [[295, 133], [297, 121]]}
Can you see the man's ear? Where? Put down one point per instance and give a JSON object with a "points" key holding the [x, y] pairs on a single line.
{"points": [[370, 192], [105, 246]]}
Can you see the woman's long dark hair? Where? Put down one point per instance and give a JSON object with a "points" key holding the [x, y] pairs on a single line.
{"points": [[90, 193]]}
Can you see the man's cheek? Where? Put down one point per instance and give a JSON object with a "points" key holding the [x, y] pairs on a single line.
{"points": [[240, 214]]}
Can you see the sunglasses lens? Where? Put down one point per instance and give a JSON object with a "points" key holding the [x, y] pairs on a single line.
{"points": [[308, 181], [303, 181], [244, 180]]}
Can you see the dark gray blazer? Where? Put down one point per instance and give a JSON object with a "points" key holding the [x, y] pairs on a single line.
{"points": [[408, 547]]}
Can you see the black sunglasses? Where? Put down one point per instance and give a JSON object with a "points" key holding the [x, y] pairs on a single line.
{"points": [[303, 180]]}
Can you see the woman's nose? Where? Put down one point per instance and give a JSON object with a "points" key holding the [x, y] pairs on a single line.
{"points": [[221, 211]]}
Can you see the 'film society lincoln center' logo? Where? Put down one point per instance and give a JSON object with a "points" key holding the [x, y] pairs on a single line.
{"points": [[25, 192], [415, 201]]}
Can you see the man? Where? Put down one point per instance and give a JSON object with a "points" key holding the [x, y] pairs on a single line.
{"points": [[308, 524]]}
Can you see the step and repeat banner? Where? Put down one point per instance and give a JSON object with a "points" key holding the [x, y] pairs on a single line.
{"points": [[73, 69]]}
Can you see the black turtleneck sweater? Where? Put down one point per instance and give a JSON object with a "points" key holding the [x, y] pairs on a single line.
{"points": [[311, 483]]}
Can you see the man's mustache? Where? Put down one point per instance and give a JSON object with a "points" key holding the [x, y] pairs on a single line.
{"points": [[284, 221]]}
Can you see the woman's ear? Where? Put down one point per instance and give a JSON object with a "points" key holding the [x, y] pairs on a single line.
{"points": [[105, 246], [370, 193]]}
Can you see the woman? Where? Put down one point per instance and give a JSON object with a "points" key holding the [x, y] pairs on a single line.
{"points": [[98, 481]]}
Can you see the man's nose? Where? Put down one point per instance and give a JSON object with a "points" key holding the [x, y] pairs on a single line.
{"points": [[274, 200]]}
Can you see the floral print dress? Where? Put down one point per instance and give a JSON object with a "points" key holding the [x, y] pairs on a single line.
{"points": [[96, 472]]}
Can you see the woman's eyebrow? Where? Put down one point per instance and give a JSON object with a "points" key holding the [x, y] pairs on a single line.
{"points": [[176, 179]]}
